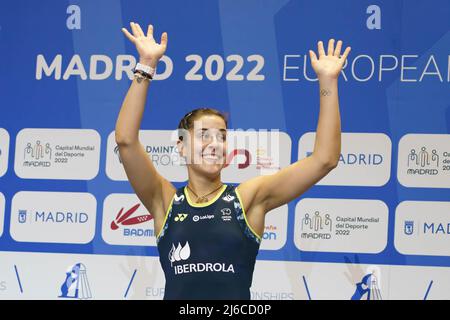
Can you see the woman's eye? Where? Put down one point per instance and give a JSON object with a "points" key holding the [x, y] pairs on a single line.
{"points": [[207, 136]]}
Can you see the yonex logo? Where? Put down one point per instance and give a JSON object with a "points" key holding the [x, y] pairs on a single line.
{"points": [[228, 197], [180, 217]]}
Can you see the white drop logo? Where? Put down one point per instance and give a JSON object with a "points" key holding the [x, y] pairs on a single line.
{"points": [[180, 252], [185, 252], [177, 252], [171, 256]]}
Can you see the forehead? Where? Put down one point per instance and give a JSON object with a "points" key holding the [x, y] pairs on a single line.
{"points": [[209, 122]]}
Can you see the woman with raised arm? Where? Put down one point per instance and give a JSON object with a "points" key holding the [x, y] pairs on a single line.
{"points": [[208, 232]]}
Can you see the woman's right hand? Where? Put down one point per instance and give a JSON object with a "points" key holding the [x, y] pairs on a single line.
{"points": [[149, 51]]}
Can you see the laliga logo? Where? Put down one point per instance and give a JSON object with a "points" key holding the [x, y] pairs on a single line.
{"points": [[179, 253], [122, 219], [236, 152]]}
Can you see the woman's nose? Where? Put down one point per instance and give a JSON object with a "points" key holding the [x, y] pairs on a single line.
{"points": [[213, 141]]}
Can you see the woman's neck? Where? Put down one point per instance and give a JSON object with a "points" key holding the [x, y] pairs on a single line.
{"points": [[203, 184]]}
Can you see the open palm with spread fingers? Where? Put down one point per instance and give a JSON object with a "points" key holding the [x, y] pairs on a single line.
{"points": [[149, 50], [329, 64]]}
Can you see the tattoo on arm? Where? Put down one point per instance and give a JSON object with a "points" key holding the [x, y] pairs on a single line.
{"points": [[139, 78], [325, 92]]}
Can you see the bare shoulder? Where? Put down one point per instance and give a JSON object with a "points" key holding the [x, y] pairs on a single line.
{"points": [[254, 208], [168, 191], [248, 191], [159, 212]]}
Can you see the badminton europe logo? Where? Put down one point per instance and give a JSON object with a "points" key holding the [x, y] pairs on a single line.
{"points": [[234, 153], [76, 284], [125, 219]]}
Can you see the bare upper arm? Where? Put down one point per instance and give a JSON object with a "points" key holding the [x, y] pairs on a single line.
{"points": [[154, 191], [271, 191], [254, 209]]}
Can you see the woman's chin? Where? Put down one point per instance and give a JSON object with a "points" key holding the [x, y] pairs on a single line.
{"points": [[211, 167]]}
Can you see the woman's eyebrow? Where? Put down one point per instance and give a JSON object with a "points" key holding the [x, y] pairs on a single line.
{"points": [[204, 129]]}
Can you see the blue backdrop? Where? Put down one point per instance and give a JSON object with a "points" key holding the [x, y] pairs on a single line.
{"points": [[271, 29]]}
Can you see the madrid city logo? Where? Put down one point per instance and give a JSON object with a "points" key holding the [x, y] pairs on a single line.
{"points": [[37, 151], [76, 284], [422, 162], [52, 217], [22, 216], [409, 227], [317, 222], [316, 226], [428, 228]]}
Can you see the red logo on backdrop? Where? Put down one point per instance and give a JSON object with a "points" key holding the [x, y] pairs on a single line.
{"points": [[121, 218], [236, 152]]}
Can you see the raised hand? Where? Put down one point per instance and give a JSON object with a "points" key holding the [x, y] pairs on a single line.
{"points": [[328, 66], [149, 51]]}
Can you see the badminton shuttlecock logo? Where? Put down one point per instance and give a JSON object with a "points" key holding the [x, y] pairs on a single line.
{"points": [[124, 219], [76, 284], [367, 289]]}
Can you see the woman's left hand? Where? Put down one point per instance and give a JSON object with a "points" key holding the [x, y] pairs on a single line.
{"points": [[328, 65]]}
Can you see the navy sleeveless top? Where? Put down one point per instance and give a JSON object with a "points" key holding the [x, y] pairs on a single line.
{"points": [[207, 250]]}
